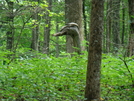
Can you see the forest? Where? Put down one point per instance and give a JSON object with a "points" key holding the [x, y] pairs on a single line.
{"points": [[67, 50]]}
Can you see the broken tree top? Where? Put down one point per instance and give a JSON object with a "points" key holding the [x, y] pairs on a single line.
{"points": [[70, 29]]}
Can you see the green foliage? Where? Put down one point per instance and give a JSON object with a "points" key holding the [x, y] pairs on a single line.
{"points": [[23, 22], [116, 79], [35, 76], [43, 78]]}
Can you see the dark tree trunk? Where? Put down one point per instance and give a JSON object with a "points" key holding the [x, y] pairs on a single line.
{"points": [[10, 32], [73, 13], [35, 30], [47, 29], [92, 90], [123, 26], [131, 36], [35, 35], [57, 38], [116, 24], [85, 23], [108, 25]]}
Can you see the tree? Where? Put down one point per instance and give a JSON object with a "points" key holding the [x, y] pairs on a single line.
{"points": [[35, 29], [85, 21], [10, 20], [73, 13], [92, 90], [131, 36], [116, 24], [123, 24], [72, 30], [108, 25], [47, 27]]}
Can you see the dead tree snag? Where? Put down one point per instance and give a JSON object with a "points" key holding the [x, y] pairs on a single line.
{"points": [[71, 29]]}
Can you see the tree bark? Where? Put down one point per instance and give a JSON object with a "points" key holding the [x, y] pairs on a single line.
{"points": [[116, 24], [108, 25], [123, 25], [35, 30], [85, 23], [57, 39], [47, 29], [35, 36], [10, 32], [92, 90], [131, 35], [73, 13]]}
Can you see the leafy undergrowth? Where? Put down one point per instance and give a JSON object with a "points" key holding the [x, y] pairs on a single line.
{"points": [[62, 79], [117, 78]]}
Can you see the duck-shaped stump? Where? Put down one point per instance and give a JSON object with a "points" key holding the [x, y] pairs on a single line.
{"points": [[71, 29]]}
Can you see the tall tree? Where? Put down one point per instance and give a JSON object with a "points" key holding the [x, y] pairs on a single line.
{"points": [[123, 23], [116, 24], [131, 36], [92, 90], [73, 13], [85, 22], [108, 25], [47, 28], [57, 38], [35, 29], [10, 20]]}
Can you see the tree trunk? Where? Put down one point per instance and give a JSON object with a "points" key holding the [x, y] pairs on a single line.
{"points": [[35, 36], [57, 39], [35, 30], [10, 32], [123, 26], [47, 28], [116, 24], [73, 13], [85, 23], [108, 25], [131, 36], [92, 90]]}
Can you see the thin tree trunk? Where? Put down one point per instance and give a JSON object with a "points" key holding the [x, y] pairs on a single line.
{"points": [[131, 36], [47, 29], [108, 25], [85, 23], [92, 90], [35, 30], [35, 34], [123, 26], [116, 25], [10, 32], [57, 38]]}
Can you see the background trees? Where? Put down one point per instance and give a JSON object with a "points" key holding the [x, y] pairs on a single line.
{"points": [[27, 44], [32, 20], [115, 24]]}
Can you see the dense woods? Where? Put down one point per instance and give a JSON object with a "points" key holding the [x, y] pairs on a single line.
{"points": [[67, 50]]}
